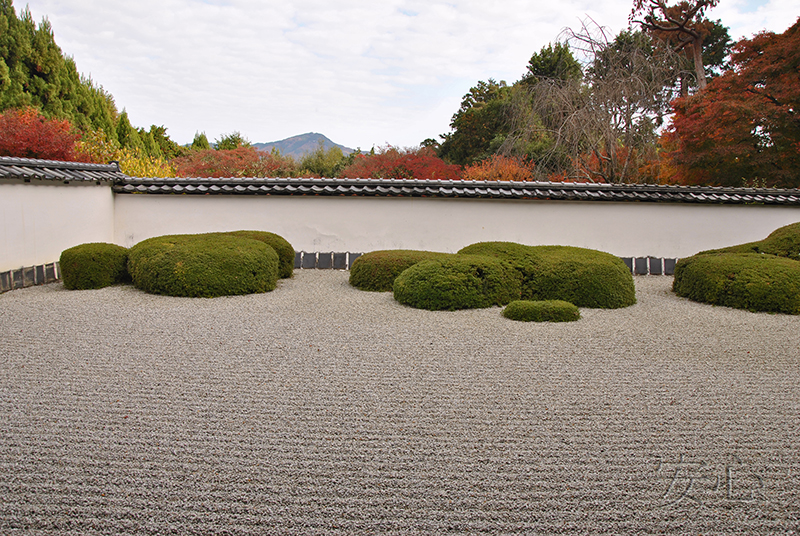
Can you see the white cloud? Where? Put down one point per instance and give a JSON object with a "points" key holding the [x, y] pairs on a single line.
{"points": [[364, 73], [748, 17]]}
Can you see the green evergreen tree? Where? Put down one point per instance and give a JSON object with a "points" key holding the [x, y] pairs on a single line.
{"points": [[34, 72], [478, 126], [200, 142], [234, 140], [168, 148], [553, 62], [94, 108], [322, 162], [14, 49], [151, 148], [128, 136]]}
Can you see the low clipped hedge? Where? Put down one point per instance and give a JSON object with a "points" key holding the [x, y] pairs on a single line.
{"points": [[782, 242], [542, 311], [751, 281], [583, 277], [457, 282], [281, 246], [204, 265], [376, 271], [94, 265]]}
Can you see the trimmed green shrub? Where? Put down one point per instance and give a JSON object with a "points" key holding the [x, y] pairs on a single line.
{"points": [[377, 270], [782, 242], [542, 311], [751, 281], [94, 265], [204, 265], [281, 246], [457, 282], [583, 277]]}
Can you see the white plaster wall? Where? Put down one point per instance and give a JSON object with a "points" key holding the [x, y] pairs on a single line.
{"points": [[38, 222], [361, 224]]}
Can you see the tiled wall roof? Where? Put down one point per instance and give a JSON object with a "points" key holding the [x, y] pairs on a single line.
{"points": [[52, 170], [26, 169], [463, 189]]}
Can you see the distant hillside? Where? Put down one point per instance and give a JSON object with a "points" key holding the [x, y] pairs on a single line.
{"points": [[298, 146]]}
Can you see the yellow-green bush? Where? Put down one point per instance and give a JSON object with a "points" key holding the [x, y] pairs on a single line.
{"points": [[757, 276], [782, 242], [457, 282], [751, 281], [583, 277], [204, 265], [94, 265], [281, 246], [542, 311], [377, 270]]}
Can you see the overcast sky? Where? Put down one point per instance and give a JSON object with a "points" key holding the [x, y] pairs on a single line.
{"points": [[363, 72]]}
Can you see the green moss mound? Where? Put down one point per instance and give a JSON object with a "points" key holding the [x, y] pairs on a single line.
{"points": [[583, 277], [377, 270], [94, 265], [751, 281], [782, 242], [457, 282], [281, 246], [542, 311], [204, 265]]}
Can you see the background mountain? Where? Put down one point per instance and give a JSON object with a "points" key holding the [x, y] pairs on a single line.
{"points": [[297, 146]]}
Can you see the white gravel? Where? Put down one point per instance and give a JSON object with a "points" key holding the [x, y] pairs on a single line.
{"points": [[321, 409]]}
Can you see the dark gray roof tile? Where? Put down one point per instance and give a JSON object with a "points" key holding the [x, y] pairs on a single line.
{"points": [[47, 170], [28, 169]]}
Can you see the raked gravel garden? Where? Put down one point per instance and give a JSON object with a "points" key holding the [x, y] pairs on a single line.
{"points": [[318, 408]]}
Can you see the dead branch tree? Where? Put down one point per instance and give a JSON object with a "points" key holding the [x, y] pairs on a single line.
{"points": [[601, 128]]}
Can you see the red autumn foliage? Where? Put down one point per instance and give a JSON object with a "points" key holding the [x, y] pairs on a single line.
{"points": [[625, 165], [393, 163], [239, 162], [500, 168], [25, 133], [660, 169], [745, 126]]}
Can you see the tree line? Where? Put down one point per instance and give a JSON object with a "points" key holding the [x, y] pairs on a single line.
{"points": [[670, 100]]}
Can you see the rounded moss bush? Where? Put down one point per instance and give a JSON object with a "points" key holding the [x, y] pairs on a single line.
{"points": [[583, 277], [377, 270], [281, 246], [457, 282], [782, 242], [205, 265], [94, 265], [542, 311], [751, 281]]}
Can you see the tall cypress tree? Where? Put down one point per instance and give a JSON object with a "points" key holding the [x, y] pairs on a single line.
{"points": [[14, 47], [127, 135], [34, 72]]}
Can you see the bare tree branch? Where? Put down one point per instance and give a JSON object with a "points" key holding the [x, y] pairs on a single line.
{"points": [[602, 127]]}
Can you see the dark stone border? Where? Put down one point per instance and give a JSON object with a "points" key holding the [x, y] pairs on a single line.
{"points": [[324, 261], [650, 265], [30, 276], [305, 260]]}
